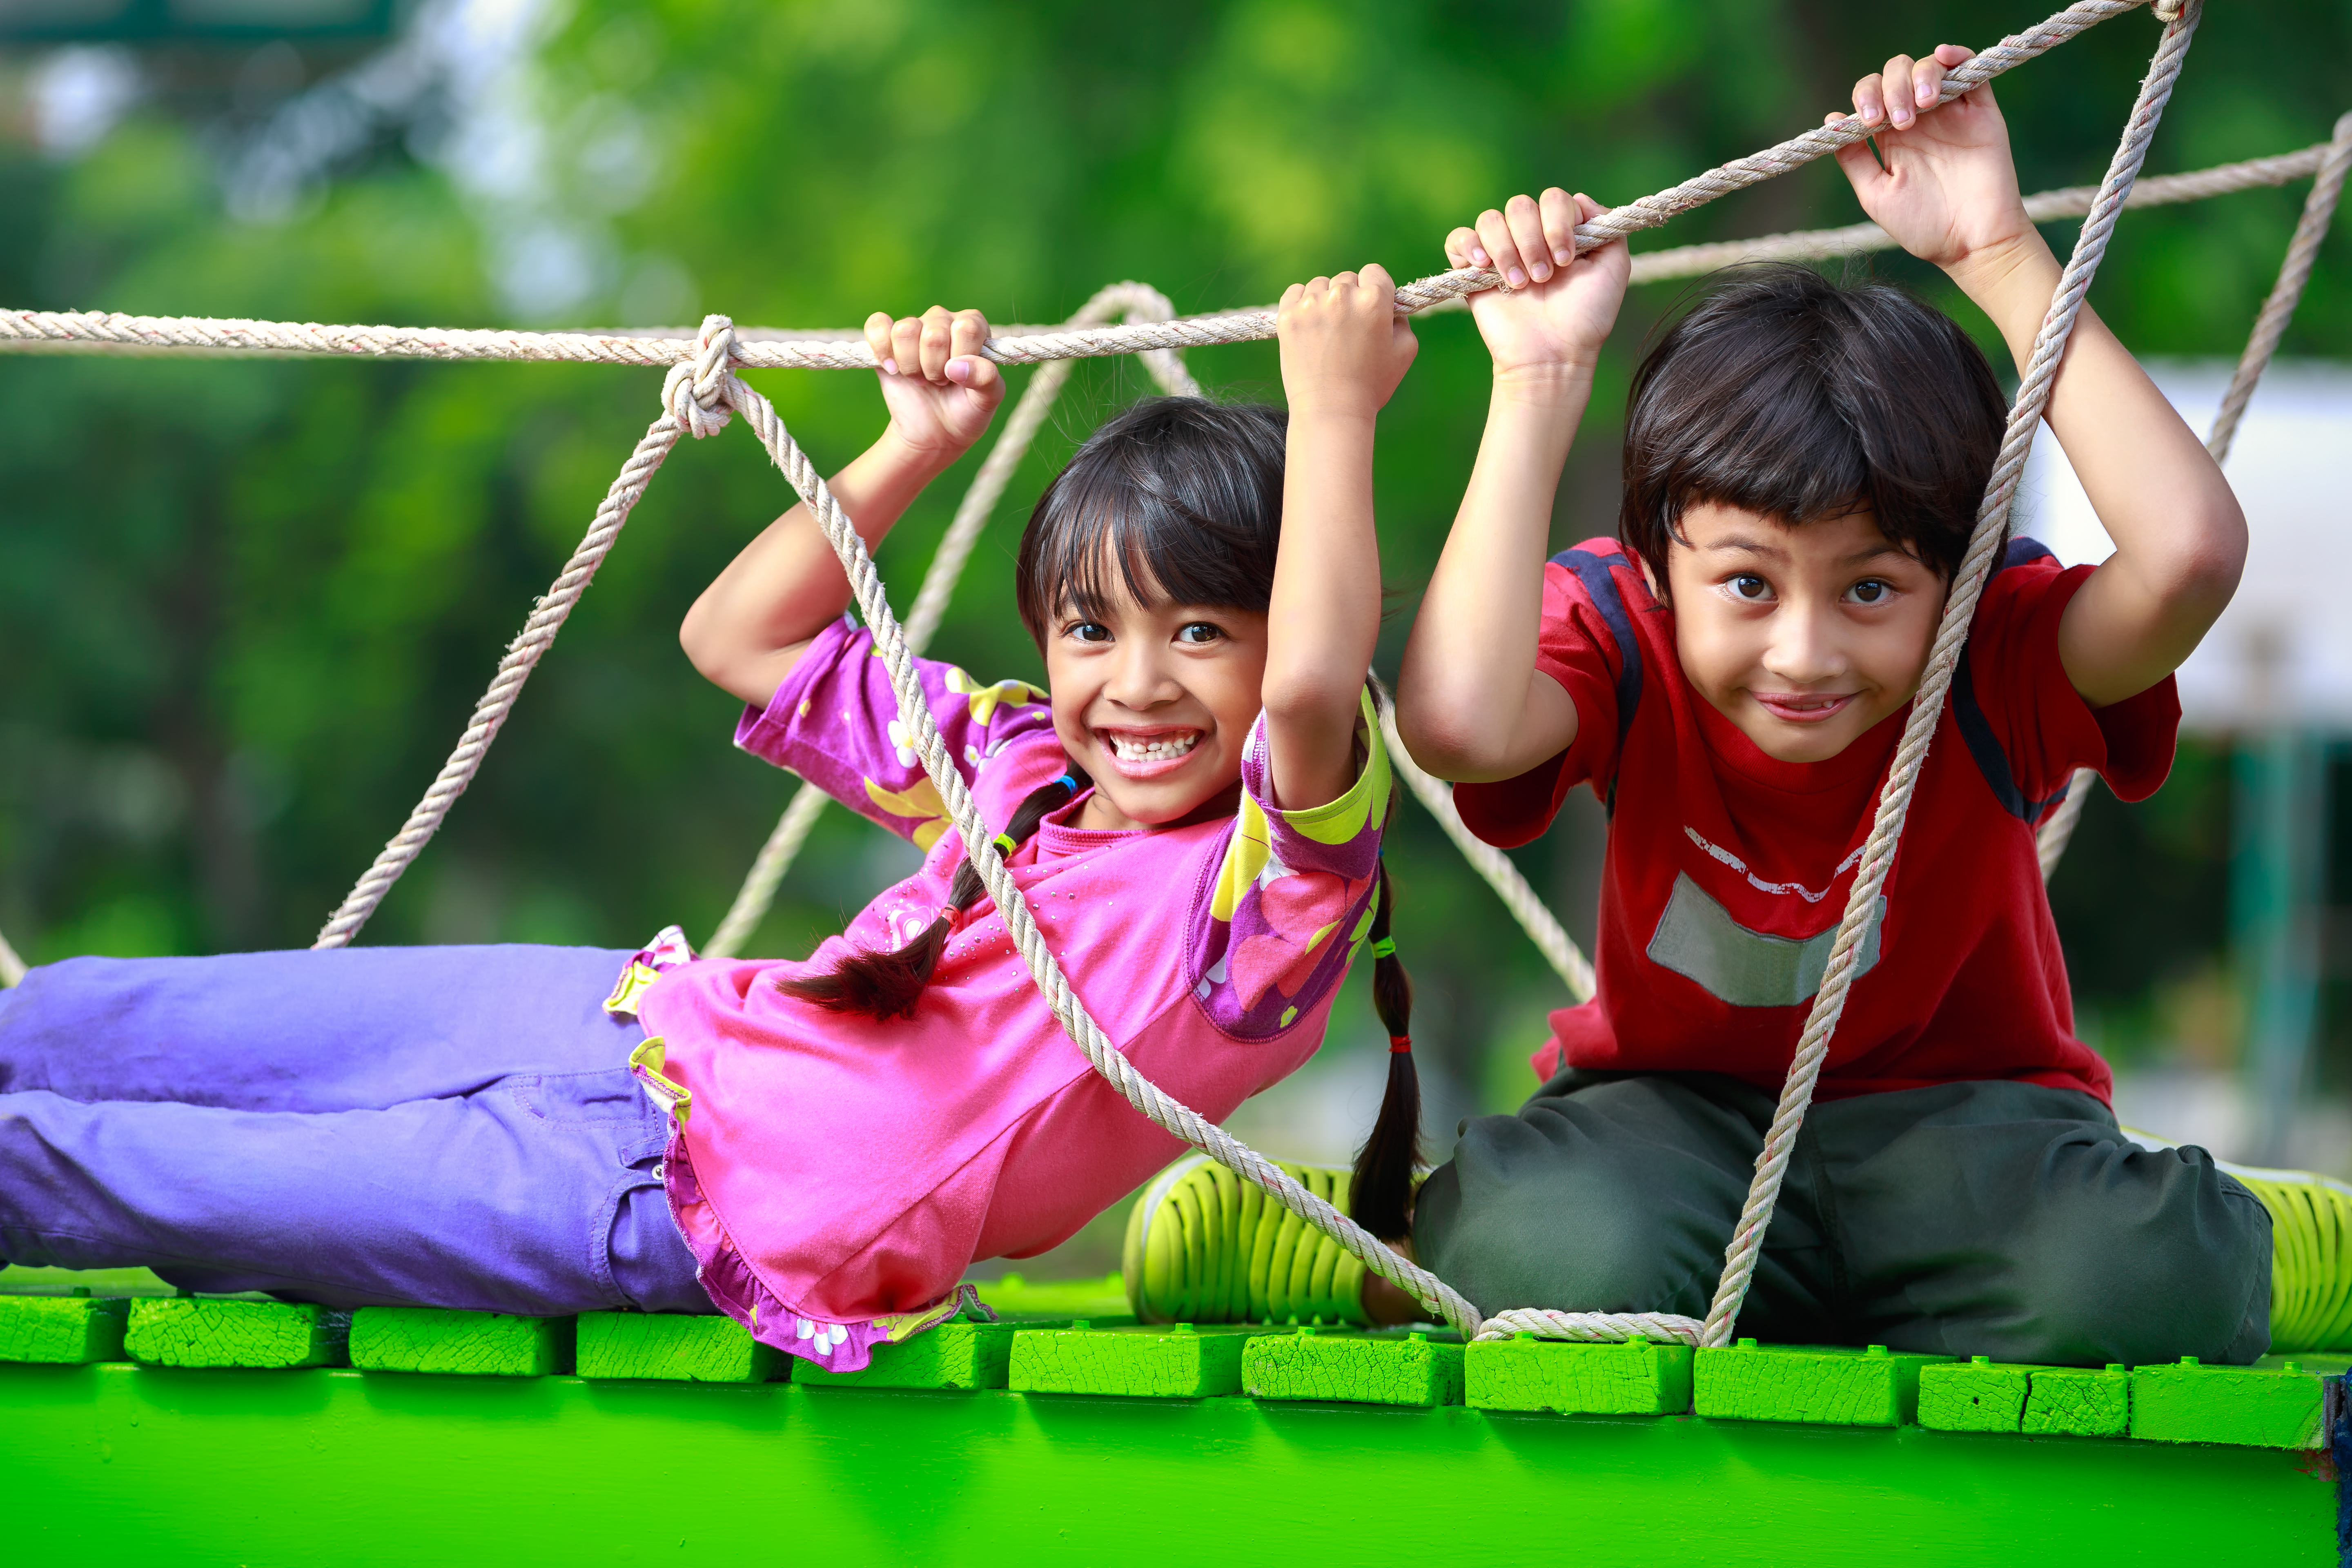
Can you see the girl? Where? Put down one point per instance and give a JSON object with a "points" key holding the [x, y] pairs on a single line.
{"points": [[1193, 808]]}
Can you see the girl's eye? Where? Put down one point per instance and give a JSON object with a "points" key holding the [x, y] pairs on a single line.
{"points": [[1748, 588], [1200, 632], [1088, 631], [1869, 591]]}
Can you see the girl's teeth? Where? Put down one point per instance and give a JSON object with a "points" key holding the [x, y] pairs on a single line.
{"points": [[1158, 751]]}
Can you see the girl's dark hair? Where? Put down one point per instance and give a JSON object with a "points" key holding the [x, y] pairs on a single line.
{"points": [[1791, 394], [1184, 494], [1379, 1194], [888, 984]]}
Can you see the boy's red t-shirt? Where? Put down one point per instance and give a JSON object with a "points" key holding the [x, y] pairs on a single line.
{"points": [[1727, 871]]}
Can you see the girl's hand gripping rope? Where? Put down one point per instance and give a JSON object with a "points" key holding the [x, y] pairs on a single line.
{"points": [[940, 391]]}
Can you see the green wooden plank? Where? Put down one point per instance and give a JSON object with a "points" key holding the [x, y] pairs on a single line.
{"points": [[1177, 1362], [1974, 1395], [2246, 1405], [196, 1331], [463, 1344], [674, 1347], [2073, 1402], [956, 1354], [62, 1330], [1822, 1385], [1361, 1369], [1524, 1372], [291, 1469]]}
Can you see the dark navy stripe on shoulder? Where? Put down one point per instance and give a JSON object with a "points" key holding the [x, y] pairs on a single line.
{"points": [[1976, 730], [1601, 587], [2021, 551]]}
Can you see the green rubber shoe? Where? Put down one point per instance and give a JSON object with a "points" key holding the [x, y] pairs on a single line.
{"points": [[1205, 1246], [2311, 1252]]}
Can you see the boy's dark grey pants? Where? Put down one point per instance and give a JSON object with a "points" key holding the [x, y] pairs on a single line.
{"points": [[1997, 1219]]}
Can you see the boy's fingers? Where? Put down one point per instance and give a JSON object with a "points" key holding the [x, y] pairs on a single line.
{"points": [[1462, 250], [1901, 108], [1502, 252], [1527, 233], [1870, 99], [1928, 82], [1856, 159], [1561, 214]]}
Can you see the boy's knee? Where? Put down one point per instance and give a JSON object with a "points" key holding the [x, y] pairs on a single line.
{"points": [[1592, 1245]]}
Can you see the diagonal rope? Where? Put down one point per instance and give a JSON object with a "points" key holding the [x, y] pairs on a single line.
{"points": [[2270, 325], [1137, 301], [12, 968]]}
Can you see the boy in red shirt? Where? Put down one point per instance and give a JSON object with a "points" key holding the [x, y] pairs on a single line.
{"points": [[1803, 465]]}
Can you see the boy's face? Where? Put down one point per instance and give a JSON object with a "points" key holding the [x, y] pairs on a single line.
{"points": [[1806, 636], [1155, 700]]}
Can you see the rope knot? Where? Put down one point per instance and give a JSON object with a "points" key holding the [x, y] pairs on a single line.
{"points": [[698, 391]]}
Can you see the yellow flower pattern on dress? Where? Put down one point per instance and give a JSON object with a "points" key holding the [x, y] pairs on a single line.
{"points": [[919, 800], [984, 699]]}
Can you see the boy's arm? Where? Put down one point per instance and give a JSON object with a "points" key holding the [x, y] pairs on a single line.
{"points": [[1344, 349], [1949, 193], [750, 627], [1471, 705]]}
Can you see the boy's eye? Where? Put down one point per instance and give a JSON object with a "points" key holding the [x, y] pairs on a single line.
{"points": [[1200, 632], [1749, 588], [1087, 631], [1869, 591]]}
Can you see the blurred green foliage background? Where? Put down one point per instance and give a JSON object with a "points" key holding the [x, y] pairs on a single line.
{"points": [[245, 607]]}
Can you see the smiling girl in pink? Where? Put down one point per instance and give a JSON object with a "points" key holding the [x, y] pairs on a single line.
{"points": [[1193, 807]]}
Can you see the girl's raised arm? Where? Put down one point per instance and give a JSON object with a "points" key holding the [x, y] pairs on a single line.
{"points": [[752, 624], [1344, 350]]}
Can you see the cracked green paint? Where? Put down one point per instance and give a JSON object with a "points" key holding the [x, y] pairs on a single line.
{"points": [[1975, 1396], [193, 1332], [461, 1344], [67, 1331], [1359, 1369], [1827, 1386], [2077, 1401], [1523, 1372], [1181, 1363], [2249, 1406], [956, 1354], [672, 1347]]}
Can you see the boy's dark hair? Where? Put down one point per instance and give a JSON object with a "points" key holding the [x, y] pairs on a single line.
{"points": [[1186, 496], [1787, 393]]}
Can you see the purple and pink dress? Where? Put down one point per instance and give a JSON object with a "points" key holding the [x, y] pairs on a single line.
{"points": [[830, 1176]]}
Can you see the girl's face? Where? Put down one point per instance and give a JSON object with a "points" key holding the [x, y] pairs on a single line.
{"points": [[1805, 637], [1155, 701]]}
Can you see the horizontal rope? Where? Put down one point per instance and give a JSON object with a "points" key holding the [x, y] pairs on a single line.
{"points": [[836, 349]]}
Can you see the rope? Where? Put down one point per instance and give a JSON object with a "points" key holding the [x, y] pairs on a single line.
{"points": [[727, 390], [1138, 301], [1526, 907], [2334, 157], [837, 352], [1927, 709], [12, 968]]}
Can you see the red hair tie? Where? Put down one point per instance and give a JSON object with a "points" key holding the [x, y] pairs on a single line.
{"points": [[1400, 1042]]}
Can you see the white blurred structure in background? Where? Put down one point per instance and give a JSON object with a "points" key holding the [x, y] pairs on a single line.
{"points": [[2274, 676]]}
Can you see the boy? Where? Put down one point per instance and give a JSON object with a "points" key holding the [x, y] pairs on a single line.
{"points": [[1803, 464]]}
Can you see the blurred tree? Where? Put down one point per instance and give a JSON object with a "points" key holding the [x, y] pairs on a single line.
{"points": [[245, 606]]}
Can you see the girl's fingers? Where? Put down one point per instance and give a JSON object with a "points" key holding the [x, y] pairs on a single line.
{"points": [[1870, 99], [1525, 221], [939, 344], [907, 346], [877, 341], [1902, 108], [1462, 250], [1502, 251], [968, 332], [1561, 214]]}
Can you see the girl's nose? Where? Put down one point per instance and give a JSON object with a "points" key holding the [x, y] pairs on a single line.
{"points": [[1139, 677]]}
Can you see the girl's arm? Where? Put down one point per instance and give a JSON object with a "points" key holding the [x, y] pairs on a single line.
{"points": [[1470, 702], [755, 620], [1344, 349], [1949, 193]]}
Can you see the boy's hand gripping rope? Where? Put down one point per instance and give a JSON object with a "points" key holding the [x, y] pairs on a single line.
{"points": [[2270, 325], [1135, 303]]}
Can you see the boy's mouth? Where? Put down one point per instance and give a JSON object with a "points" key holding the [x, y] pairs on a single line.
{"points": [[1148, 754], [1803, 706]]}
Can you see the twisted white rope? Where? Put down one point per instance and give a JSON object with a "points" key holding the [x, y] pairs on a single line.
{"points": [[1927, 709], [12, 968], [2333, 158], [1137, 301], [1526, 907], [898, 660]]}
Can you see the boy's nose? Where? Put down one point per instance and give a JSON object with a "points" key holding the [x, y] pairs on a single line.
{"points": [[1804, 648]]}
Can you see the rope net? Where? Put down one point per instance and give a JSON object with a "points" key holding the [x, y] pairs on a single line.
{"points": [[702, 391]]}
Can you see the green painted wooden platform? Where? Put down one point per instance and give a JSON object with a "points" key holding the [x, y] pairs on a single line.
{"points": [[619, 1438]]}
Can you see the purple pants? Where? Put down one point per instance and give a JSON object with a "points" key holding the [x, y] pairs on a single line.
{"points": [[431, 1126]]}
